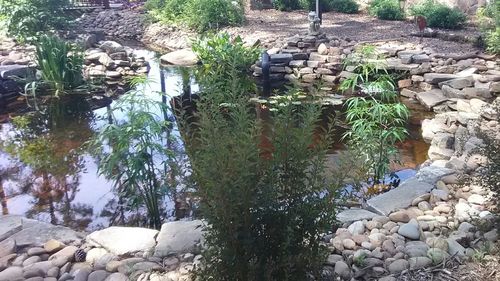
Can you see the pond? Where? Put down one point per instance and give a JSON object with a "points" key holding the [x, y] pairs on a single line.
{"points": [[68, 190]]}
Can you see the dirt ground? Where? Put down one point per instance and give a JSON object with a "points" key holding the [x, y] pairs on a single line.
{"points": [[272, 25]]}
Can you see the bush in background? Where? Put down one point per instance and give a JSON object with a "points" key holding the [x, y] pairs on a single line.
{"points": [[28, 19], [489, 23], [439, 15], [387, 10], [287, 5], [200, 15], [344, 6]]}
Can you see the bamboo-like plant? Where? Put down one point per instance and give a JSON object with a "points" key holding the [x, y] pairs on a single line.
{"points": [[377, 118], [60, 63]]}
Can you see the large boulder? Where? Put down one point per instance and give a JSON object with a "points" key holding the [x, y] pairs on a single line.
{"points": [[184, 57], [37, 233], [124, 240], [179, 237]]}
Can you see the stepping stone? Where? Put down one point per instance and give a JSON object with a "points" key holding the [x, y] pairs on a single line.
{"points": [[352, 215], [184, 57], [431, 98]]}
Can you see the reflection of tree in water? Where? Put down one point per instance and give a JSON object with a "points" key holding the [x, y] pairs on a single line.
{"points": [[48, 147]]}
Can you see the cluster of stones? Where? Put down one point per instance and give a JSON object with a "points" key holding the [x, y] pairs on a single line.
{"points": [[11, 53], [307, 59], [114, 254], [127, 24], [408, 232], [112, 61]]}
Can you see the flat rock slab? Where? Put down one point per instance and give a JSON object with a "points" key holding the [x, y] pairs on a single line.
{"points": [[124, 240], [36, 233], [14, 70], [431, 174], [435, 78], [179, 237], [352, 215], [431, 98], [9, 225], [184, 57], [398, 198]]}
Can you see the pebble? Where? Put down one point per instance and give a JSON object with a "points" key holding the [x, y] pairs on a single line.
{"points": [[349, 244], [398, 266], [399, 216], [53, 245], [410, 231], [343, 270], [99, 275]]}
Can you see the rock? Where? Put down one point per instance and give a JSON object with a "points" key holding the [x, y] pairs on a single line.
{"points": [[105, 60], [398, 266], [455, 249], [285, 58], [146, 266], [53, 272], [491, 235], [117, 276], [459, 83], [436, 242], [356, 228], [111, 47], [63, 256], [400, 197], [102, 262], [466, 227], [431, 174], [31, 260], [98, 275], [399, 216], [476, 199], [37, 269], [179, 237], [349, 244], [112, 266], [437, 255], [343, 270], [322, 49], [435, 78], [124, 240], [184, 57], [11, 273], [53, 245], [36, 233], [439, 195], [352, 215], [424, 206], [81, 274], [94, 254], [419, 262], [431, 98], [416, 249], [113, 75], [7, 72], [409, 230], [7, 247]]}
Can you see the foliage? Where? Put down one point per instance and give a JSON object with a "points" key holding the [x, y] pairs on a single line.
{"points": [[28, 19], [287, 5], [138, 154], [489, 23], [439, 15], [201, 15], [264, 193], [376, 116], [387, 10], [60, 63], [344, 6]]}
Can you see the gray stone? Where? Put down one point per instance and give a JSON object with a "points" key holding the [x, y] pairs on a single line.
{"points": [[416, 249], [111, 47], [476, 199], [15, 70], [352, 215], [431, 174], [98, 275], [117, 276], [37, 233], [81, 274], [435, 78], [491, 235], [459, 83], [356, 228], [179, 237], [124, 240], [398, 266], [9, 225], [184, 57], [7, 247], [431, 98], [31, 260], [419, 262], [11, 273], [343, 270], [437, 255], [409, 230], [454, 248], [400, 197], [283, 58]]}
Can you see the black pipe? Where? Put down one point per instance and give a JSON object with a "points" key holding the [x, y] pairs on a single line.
{"points": [[266, 73]]}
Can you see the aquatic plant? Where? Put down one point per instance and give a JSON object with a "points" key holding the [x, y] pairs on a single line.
{"points": [[61, 65], [138, 154], [264, 194], [377, 118]]}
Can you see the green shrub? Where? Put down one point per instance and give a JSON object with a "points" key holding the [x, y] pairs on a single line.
{"points": [[200, 15], [60, 63], [489, 23], [287, 5], [387, 10], [265, 205], [27, 19], [439, 15], [344, 6]]}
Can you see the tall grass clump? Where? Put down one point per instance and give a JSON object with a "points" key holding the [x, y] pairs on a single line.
{"points": [[265, 205], [377, 118], [60, 63], [439, 15]]}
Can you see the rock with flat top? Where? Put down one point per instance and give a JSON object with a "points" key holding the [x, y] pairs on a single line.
{"points": [[37, 233], [431, 98], [352, 215], [179, 237], [124, 240], [184, 57], [435, 78]]}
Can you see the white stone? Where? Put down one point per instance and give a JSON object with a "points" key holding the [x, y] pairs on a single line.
{"points": [[124, 240], [184, 57]]}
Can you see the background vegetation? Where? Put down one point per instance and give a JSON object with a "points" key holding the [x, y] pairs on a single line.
{"points": [[439, 15], [386, 10], [489, 22], [200, 15], [343, 6]]}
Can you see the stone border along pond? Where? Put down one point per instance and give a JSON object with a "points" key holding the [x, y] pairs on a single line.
{"points": [[427, 219]]}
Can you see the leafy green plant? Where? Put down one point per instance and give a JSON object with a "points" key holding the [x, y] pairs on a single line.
{"points": [[489, 22], [60, 63], [264, 193], [200, 15], [439, 15], [344, 6], [28, 19], [135, 155], [377, 118], [387, 10], [287, 5]]}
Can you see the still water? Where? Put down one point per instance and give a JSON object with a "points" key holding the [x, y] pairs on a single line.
{"points": [[68, 190]]}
